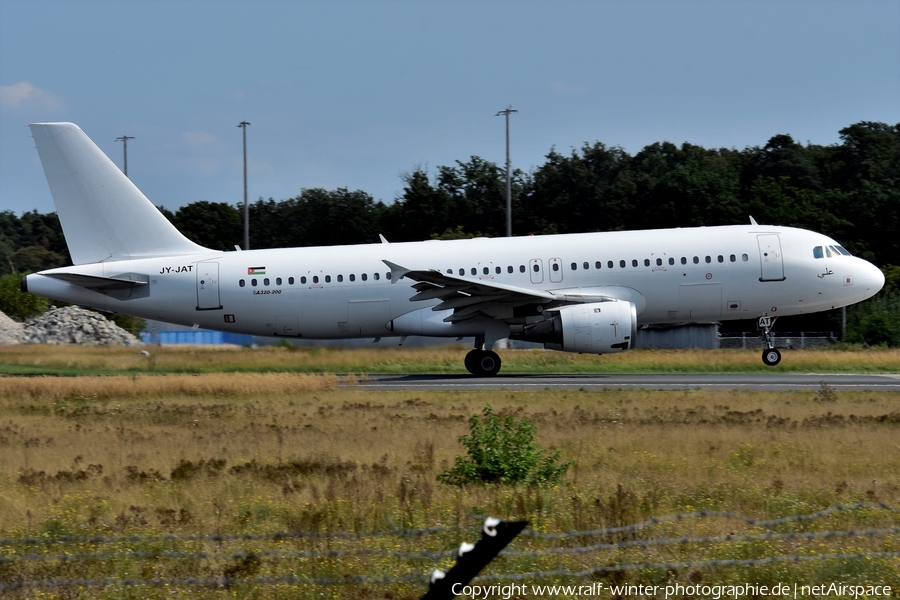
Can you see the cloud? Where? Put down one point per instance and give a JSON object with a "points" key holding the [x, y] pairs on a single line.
{"points": [[26, 95], [199, 138]]}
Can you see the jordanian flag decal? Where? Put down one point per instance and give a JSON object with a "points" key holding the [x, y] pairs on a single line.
{"points": [[256, 270]]}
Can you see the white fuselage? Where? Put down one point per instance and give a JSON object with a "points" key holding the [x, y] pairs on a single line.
{"points": [[671, 276]]}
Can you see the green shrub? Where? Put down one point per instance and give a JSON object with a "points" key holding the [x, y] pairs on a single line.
{"points": [[503, 452], [17, 304]]}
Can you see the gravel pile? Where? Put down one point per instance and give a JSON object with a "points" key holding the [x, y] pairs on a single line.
{"points": [[74, 325], [10, 331]]}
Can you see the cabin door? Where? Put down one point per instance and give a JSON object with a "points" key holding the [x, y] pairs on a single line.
{"points": [[771, 261], [208, 286]]}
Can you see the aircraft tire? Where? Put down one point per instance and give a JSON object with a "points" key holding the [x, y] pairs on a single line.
{"points": [[471, 361], [771, 356], [488, 364]]}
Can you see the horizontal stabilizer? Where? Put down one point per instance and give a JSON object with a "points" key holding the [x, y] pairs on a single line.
{"points": [[126, 281]]}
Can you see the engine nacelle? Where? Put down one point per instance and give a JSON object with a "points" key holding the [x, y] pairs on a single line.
{"points": [[595, 328]]}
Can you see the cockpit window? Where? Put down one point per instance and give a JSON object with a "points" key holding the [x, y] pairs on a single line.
{"points": [[830, 251]]}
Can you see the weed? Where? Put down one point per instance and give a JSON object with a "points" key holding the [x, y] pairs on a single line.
{"points": [[503, 452]]}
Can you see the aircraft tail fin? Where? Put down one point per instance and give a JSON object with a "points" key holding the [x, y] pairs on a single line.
{"points": [[103, 215]]}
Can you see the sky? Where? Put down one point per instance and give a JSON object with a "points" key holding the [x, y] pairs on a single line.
{"points": [[355, 94]]}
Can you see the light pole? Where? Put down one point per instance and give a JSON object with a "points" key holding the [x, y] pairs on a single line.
{"points": [[243, 125], [124, 139], [506, 112]]}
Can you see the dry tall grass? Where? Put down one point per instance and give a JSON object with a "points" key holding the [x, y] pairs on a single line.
{"points": [[446, 359], [236, 453]]}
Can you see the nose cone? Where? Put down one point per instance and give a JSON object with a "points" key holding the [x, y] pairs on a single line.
{"points": [[874, 279]]}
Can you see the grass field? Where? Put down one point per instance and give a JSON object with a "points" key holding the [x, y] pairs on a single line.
{"points": [[98, 360], [233, 453]]}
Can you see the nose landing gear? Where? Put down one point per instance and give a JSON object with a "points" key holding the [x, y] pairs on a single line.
{"points": [[771, 356]]}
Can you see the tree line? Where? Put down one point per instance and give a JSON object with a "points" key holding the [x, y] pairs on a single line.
{"points": [[849, 191]]}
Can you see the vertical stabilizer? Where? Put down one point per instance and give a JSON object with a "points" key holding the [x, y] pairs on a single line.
{"points": [[103, 215]]}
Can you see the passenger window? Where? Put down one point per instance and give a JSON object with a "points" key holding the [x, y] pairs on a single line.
{"points": [[574, 266], [732, 258], [696, 260], [328, 279], [646, 262], [536, 268], [290, 281], [364, 276], [509, 269], [486, 271], [634, 262], [266, 282], [315, 279], [241, 283], [598, 264], [721, 258], [658, 262], [474, 271], [303, 280], [817, 252], [462, 272], [376, 276], [521, 268], [449, 271], [278, 281], [671, 261], [586, 265], [744, 257], [610, 264], [387, 275], [352, 277], [555, 267], [253, 282], [708, 259], [497, 270], [684, 260], [621, 264], [340, 278]]}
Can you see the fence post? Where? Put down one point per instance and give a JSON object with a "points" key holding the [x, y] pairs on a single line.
{"points": [[471, 559]]}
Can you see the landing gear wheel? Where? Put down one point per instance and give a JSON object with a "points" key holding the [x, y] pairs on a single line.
{"points": [[471, 361], [482, 363], [771, 356], [488, 363]]}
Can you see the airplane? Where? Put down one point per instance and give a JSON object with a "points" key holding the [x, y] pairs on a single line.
{"points": [[586, 293]]}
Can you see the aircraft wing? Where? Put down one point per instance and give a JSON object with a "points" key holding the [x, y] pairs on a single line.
{"points": [[468, 298]]}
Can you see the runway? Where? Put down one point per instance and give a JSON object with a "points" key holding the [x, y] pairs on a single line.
{"points": [[753, 381]]}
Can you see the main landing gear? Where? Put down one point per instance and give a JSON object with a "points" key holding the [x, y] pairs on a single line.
{"points": [[771, 356], [482, 362]]}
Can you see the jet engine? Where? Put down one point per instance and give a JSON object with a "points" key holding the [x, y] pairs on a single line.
{"points": [[595, 328]]}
